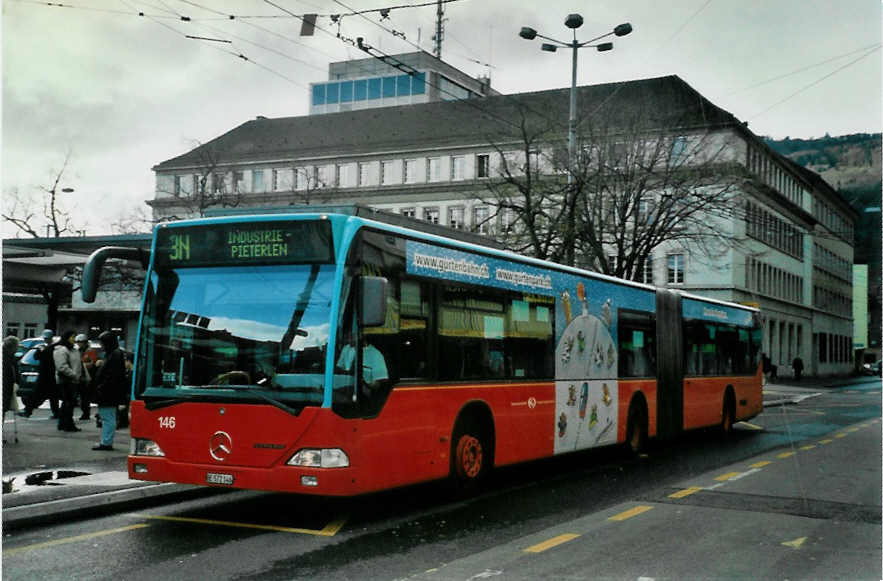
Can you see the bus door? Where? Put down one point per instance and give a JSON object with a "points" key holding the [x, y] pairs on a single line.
{"points": [[669, 364]]}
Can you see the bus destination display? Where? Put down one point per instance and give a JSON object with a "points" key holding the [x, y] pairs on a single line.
{"points": [[255, 243]]}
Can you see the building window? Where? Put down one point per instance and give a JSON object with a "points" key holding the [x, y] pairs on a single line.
{"points": [[274, 180], [675, 267], [433, 169], [387, 175], [257, 180], [177, 187], [644, 271], [431, 215], [456, 217], [302, 178], [482, 165], [409, 171], [12, 329], [30, 330], [458, 165], [363, 174], [409, 212], [481, 219], [611, 262], [218, 186], [238, 181]]}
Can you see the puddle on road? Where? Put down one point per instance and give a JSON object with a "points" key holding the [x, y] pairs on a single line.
{"points": [[23, 482]]}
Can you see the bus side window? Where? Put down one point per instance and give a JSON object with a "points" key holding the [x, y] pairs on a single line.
{"points": [[637, 344]]}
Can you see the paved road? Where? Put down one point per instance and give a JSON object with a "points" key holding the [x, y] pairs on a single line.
{"points": [[795, 494]]}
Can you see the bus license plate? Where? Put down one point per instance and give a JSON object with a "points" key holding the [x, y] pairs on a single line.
{"points": [[218, 478]]}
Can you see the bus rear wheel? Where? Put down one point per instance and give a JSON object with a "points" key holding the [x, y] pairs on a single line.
{"points": [[470, 458], [636, 430], [728, 415]]}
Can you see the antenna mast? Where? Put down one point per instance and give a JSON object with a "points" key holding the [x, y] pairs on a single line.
{"points": [[439, 27]]}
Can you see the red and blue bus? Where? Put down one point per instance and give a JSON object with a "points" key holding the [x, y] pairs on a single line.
{"points": [[341, 352]]}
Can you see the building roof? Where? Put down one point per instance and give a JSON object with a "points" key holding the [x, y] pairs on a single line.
{"points": [[663, 103]]}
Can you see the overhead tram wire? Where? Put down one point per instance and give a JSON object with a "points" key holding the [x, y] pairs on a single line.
{"points": [[817, 81], [806, 68]]}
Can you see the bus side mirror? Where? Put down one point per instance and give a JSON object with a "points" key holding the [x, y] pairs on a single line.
{"points": [[92, 270], [373, 301]]}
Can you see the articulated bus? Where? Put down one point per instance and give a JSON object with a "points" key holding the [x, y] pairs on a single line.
{"points": [[337, 353]]}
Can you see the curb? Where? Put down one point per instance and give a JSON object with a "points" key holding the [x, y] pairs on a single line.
{"points": [[99, 503]]}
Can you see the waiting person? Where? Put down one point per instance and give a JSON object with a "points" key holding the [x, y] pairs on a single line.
{"points": [[10, 372], [110, 388], [88, 369], [69, 377], [797, 365], [47, 388]]}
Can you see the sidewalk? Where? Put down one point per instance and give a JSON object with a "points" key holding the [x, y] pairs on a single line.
{"points": [[56, 475], [50, 475]]}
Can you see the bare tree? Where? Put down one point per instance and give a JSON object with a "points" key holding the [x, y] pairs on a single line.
{"points": [[211, 184], [20, 209], [631, 187]]}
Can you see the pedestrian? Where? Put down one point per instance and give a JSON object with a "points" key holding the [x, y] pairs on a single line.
{"points": [[110, 388], [88, 367], [797, 365], [47, 388], [10, 372], [69, 376]]}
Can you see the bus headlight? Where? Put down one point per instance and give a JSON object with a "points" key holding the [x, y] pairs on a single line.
{"points": [[316, 458], [142, 447]]}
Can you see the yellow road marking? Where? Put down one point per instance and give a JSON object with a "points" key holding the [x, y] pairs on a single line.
{"points": [[630, 513], [852, 430], [808, 447], [752, 426], [784, 454], [761, 464], [9, 552], [685, 492], [328, 531], [727, 476], [840, 435], [796, 543], [826, 441], [553, 542]]}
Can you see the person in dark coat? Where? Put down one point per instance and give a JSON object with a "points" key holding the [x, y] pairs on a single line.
{"points": [[110, 388], [797, 365], [10, 371], [47, 388]]}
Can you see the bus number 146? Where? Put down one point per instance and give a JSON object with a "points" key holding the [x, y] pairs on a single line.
{"points": [[167, 422]]}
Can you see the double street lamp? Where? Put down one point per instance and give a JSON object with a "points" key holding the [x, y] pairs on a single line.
{"points": [[574, 21]]}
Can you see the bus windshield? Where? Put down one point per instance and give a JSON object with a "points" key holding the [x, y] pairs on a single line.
{"points": [[236, 331]]}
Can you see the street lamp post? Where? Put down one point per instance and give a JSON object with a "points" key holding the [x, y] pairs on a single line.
{"points": [[574, 21]]}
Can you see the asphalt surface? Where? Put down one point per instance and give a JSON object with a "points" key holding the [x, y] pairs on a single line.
{"points": [[52, 475]]}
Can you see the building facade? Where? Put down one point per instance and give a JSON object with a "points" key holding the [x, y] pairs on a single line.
{"points": [[432, 160]]}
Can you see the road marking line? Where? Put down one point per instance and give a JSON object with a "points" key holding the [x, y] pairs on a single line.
{"points": [[15, 551], [840, 435], [826, 441], [852, 430], [727, 476], [761, 464], [785, 454], [630, 513], [328, 531], [553, 542], [752, 426], [685, 492], [808, 447], [796, 543]]}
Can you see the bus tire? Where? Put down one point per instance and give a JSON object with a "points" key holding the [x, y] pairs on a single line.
{"points": [[471, 455], [636, 428], [728, 414]]}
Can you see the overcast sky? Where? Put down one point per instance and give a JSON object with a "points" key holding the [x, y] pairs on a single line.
{"points": [[121, 92]]}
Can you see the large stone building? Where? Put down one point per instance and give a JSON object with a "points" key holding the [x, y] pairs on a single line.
{"points": [[422, 155]]}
